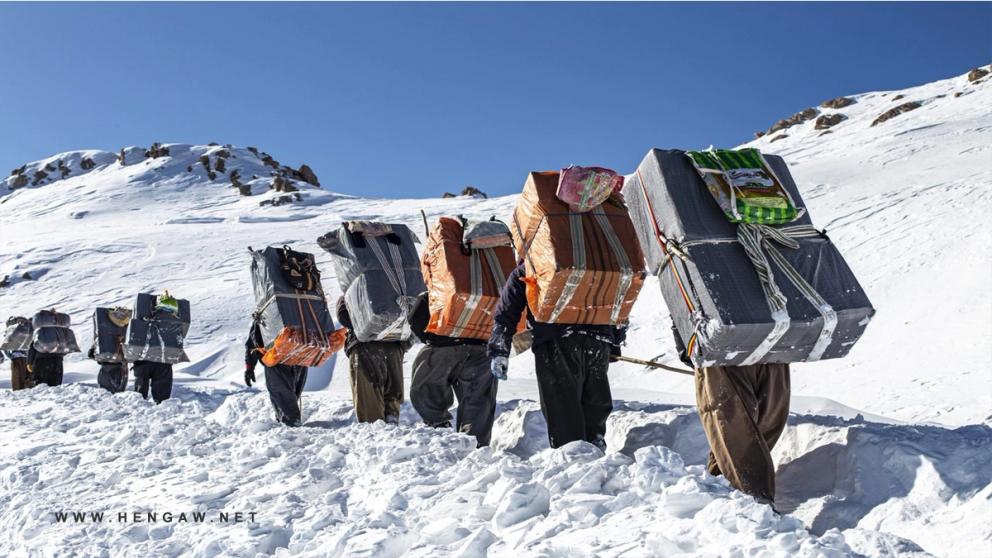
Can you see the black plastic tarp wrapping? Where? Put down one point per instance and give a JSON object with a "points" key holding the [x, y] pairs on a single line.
{"points": [[52, 334], [379, 300], [731, 318], [106, 336], [278, 305], [156, 335], [18, 334]]}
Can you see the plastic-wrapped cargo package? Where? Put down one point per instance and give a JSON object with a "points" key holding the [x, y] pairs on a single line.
{"points": [[295, 323], [582, 268], [378, 270], [109, 331], [464, 272], [156, 335], [726, 314], [17, 336], [52, 334]]}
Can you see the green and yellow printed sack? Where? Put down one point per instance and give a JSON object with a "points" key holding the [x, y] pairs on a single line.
{"points": [[744, 186]]}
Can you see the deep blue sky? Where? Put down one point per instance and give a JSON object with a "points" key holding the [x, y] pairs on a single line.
{"points": [[415, 99]]}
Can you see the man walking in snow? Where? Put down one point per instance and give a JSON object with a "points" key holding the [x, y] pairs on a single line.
{"points": [[283, 382], [744, 410], [45, 368], [449, 367], [113, 374], [20, 378], [376, 369], [154, 375], [571, 362]]}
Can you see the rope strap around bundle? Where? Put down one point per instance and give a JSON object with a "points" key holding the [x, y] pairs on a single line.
{"points": [[759, 242]]}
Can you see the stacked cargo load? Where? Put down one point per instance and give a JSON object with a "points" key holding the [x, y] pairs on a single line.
{"points": [[291, 308], [745, 275], [582, 267], [465, 266], [52, 334], [378, 270], [157, 329], [18, 334], [109, 331]]}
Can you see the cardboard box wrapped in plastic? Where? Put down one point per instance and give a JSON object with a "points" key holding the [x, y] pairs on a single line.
{"points": [[712, 287], [18, 334], [464, 272], [582, 268], [52, 334], [109, 333], [157, 335], [295, 323], [378, 270]]}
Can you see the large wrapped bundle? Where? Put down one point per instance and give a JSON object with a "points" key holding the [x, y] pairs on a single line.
{"points": [[157, 329], [379, 273], [464, 271], [52, 334], [18, 334], [742, 293], [109, 331], [582, 268], [292, 312]]}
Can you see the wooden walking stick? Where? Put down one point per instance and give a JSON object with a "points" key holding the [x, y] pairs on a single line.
{"points": [[656, 365]]}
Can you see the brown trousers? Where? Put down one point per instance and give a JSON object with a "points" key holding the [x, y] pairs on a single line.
{"points": [[19, 376], [377, 381], [744, 410]]}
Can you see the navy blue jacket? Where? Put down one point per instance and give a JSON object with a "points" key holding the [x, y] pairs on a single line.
{"points": [[513, 303]]}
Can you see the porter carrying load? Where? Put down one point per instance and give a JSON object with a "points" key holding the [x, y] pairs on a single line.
{"points": [[18, 334], [295, 325], [581, 267], [109, 331], [378, 270], [52, 334], [157, 329], [745, 275], [465, 266]]}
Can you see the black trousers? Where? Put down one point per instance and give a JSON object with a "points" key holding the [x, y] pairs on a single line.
{"points": [[47, 369], [442, 373], [157, 376], [112, 376], [285, 386], [574, 388]]}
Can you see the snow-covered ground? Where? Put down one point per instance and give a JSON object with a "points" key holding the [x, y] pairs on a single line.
{"points": [[887, 452]]}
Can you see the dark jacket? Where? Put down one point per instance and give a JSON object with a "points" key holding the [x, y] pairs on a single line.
{"points": [[350, 341], [512, 304], [418, 324], [253, 345]]}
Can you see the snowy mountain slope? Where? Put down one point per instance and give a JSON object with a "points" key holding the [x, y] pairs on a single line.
{"points": [[904, 200]]}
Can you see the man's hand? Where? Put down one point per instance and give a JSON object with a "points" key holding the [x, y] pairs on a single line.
{"points": [[614, 353], [498, 367], [249, 375]]}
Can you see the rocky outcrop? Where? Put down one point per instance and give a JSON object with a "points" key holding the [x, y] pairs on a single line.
{"points": [[474, 192], [977, 74], [307, 175], [759, 134], [64, 170], [87, 164], [38, 177], [829, 120], [791, 121], [280, 184], [281, 200], [20, 181], [838, 102], [220, 165], [899, 96], [778, 137], [894, 112], [156, 150], [448, 195]]}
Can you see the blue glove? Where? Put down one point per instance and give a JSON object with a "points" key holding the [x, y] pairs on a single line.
{"points": [[498, 367]]}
